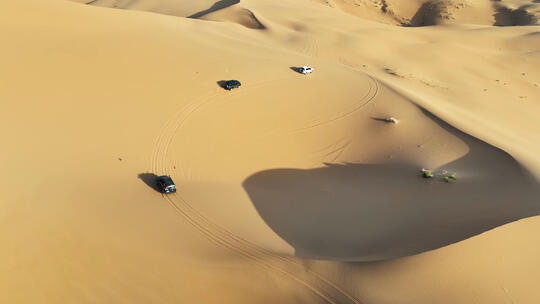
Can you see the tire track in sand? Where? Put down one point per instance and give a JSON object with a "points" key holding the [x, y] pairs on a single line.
{"points": [[266, 259], [372, 93]]}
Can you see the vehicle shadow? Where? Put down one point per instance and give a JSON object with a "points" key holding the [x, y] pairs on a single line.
{"points": [[381, 119], [222, 83], [296, 69], [151, 180]]}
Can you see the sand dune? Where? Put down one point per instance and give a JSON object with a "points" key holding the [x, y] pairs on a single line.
{"points": [[526, 14], [291, 189], [182, 8], [397, 12], [224, 10], [432, 12], [241, 16], [500, 266], [342, 205], [219, 5]]}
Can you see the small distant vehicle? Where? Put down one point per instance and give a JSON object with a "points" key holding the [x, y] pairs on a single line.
{"points": [[231, 84], [306, 70], [390, 120], [166, 184]]}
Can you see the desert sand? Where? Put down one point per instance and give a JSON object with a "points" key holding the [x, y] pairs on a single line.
{"points": [[292, 188]]}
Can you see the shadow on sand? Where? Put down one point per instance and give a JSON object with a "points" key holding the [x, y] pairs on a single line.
{"points": [[296, 69], [221, 84], [513, 17], [426, 15], [367, 212], [381, 119], [151, 180], [215, 7]]}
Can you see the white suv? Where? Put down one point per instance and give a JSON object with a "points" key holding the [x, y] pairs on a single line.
{"points": [[306, 70]]}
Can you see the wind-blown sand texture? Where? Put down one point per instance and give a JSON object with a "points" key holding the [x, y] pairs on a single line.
{"points": [[292, 188]]}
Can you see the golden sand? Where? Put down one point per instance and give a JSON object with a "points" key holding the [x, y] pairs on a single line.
{"points": [[292, 188]]}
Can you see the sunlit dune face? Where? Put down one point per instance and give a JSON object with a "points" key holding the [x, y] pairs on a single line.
{"points": [[376, 178]]}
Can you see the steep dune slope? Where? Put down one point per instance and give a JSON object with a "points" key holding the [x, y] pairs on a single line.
{"points": [[499, 266], [481, 79], [180, 8], [223, 10], [396, 12], [431, 12]]}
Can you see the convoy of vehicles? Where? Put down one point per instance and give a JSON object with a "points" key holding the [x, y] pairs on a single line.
{"points": [[165, 182]]}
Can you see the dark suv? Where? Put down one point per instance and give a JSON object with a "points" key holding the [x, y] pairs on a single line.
{"points": [[166, 184], [231, 84]]}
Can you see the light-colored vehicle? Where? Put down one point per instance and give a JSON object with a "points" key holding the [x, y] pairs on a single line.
{"points": [[306, 70]]}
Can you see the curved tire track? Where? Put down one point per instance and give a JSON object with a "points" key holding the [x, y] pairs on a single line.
{"points": [[269, 260], [364, 101]]}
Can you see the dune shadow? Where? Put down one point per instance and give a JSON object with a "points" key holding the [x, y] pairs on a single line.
{"points": [[151, 180], [368, 212], [215, 7], [514, 17], [426, 15]]}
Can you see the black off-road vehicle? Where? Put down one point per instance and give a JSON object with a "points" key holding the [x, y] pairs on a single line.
{"points": [[166, 184], [231, 84]]}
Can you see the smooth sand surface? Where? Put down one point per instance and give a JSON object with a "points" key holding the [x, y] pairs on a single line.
{"points": [[292, 188]]}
